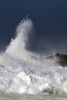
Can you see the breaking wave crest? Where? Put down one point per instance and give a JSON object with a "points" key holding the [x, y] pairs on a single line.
{"points": [[22, 71]]}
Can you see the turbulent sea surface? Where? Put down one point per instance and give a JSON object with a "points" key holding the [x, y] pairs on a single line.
{"points": [[33, 97], [25, 72]]}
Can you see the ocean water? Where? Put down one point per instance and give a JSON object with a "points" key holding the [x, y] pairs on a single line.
{"points": [[33, 97], [25, 72]]}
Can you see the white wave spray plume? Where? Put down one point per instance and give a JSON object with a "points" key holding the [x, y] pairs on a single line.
{"points": [[18, 46]]}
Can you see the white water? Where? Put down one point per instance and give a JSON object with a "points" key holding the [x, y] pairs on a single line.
{"points": [[22, 71]]}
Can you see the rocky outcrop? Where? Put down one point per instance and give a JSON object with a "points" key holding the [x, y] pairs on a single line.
{"points": [[60, 58]]}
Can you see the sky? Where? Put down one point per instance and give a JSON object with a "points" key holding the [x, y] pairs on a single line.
{"points": [[49, 18]]}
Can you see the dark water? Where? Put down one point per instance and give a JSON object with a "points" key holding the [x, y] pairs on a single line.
{"points": [[49, 18]]}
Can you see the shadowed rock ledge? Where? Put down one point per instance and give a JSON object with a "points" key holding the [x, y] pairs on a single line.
{"points": [[60, 58]]}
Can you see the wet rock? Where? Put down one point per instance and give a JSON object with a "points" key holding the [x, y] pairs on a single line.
{"points": [[60, 58]]}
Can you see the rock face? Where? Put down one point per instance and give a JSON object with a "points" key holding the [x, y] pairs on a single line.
{"points": [[60, 58]]}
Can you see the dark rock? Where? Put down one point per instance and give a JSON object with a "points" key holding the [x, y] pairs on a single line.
{"points": [[60, 58]]}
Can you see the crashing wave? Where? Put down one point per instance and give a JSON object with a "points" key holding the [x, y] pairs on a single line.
{"points": [[22, 71]]}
